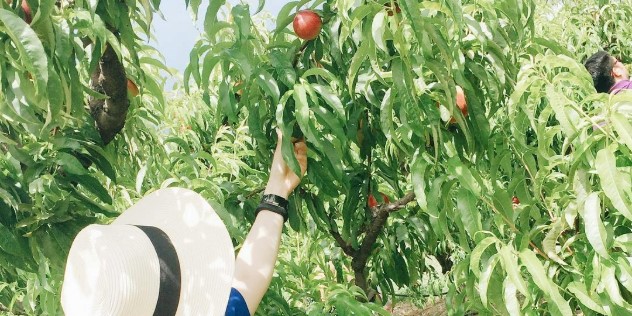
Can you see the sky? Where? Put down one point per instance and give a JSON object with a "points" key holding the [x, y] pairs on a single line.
{"points": [[177, 34]]}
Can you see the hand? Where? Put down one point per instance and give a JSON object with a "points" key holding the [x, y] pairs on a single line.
{"points": [[282, 179]]}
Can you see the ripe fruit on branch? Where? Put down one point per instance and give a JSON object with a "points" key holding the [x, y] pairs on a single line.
{"points": [[372, 201], [385, 198], [460, 102], [132, 88], [515, 200], [28, 17], [307, 24]]}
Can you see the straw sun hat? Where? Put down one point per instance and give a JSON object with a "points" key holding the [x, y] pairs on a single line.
{"points": [[123, 268]]}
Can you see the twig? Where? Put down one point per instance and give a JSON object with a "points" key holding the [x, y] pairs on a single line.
{"points": [[399, 204], [255, 192], [300, 51]]}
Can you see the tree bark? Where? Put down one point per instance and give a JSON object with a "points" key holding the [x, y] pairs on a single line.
{"points": [[360, 256], [109, 79]]}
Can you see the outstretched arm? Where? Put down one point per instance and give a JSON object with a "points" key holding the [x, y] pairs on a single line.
{"points": [[254, 265]]}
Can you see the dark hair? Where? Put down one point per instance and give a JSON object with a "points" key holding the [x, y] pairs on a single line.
{"points": [[600, 66]]}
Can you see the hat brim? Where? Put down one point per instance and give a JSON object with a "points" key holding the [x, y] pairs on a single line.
{"points": [[203, 245]]}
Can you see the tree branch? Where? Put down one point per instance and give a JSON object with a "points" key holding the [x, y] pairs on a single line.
{"points": [[380, 215], [298, 53], [109, 78], [362, 254], [342, 243], [399, 204], [19, 312], [255, 192]]}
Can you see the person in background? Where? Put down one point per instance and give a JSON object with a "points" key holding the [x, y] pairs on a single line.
{"points": [[170, 254], [608, 73]]}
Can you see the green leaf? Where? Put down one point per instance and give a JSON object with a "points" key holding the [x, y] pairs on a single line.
{"points": [[465, 176], [511, 300], [386, 114], [328, 120], [8, 242], [43, 14], [70, 163], [469, 213], [241, 16], [30, 47], [558, 102], [8, 199], [356, 63], [411, 10], [624, 273], [226, 101], [268, 84], [541, 280], [211, 14], [595, 230], [55, 98], [303, 114], [623, 128], [579, 290], [418, 171], [93, 186], [323, 73], [612, 182], [475, 256], [486, 277], [377, 29], [612, 286], [284, 17], [101, 160], [287, 147], [140, 178], [295, 217], [332, 99], [54, 245], [510, 264], [549, 244]]}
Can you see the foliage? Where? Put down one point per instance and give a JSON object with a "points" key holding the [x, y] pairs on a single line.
{"points": [[373, 96], [364, 93]]}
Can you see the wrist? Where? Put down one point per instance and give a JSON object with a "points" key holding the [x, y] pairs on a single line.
{"points": [[276, 190]]}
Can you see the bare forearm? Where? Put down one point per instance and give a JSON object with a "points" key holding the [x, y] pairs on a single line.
{"points": [[256, 259], [255, 262]]}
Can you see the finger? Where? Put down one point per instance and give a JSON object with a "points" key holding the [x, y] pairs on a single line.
{"points": [[279, 136], [300, 148], [279, 141], [301, 155]]}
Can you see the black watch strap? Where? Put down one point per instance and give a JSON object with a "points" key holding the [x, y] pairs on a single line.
{"points": [[273, 203]]}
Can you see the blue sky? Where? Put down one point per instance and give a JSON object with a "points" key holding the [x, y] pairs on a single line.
{"points": [[176, 34]]}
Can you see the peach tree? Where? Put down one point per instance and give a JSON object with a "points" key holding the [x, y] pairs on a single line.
{"points": [[512, 197], [64, 71], [522, 199]]}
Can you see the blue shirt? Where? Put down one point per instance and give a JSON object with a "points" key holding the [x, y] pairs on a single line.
{"points": [[236, 304]]}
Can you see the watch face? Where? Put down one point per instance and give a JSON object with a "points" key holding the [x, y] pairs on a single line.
{"points": [[275, 200]]}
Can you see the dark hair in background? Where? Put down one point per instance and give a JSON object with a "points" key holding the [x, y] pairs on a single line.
{"points": [[600, 66]]}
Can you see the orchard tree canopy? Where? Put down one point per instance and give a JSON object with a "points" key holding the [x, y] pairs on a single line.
{"points": [[457, 149]]}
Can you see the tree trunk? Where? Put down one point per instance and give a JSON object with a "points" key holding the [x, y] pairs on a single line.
{"points": [[109, 79]]}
